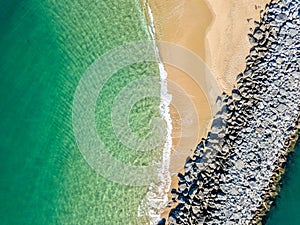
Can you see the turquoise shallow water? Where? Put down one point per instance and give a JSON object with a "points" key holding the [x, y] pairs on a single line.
{"points": [[46, 47]]}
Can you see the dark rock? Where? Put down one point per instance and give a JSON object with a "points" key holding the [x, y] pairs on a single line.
{"points": [[162, 222]]}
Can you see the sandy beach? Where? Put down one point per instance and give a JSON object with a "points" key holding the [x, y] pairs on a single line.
{"points": [[216, 31]]}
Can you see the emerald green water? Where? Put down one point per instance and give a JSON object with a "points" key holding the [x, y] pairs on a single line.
{"points": [[46, 46]]}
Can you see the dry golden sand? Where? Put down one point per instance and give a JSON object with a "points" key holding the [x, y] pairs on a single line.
{"points": [[216, 30], [227, 44]]}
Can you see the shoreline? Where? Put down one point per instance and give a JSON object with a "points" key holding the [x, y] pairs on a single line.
{"points": [[188, 38], [157, 197], [173, 23]]}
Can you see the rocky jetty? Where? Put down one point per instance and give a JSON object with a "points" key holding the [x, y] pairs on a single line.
{"points": [[233, 175]]}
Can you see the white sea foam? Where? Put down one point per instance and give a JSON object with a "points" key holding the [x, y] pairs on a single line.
{"points": [[157, 196]]}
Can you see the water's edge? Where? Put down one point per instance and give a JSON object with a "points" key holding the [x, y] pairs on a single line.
{"points": [[157, 197]]}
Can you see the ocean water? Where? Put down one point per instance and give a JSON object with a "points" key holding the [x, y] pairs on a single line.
{"points": [[46, 46], [286, 208]]}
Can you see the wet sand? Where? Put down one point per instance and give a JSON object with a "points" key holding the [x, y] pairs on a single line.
{"points": [[216, 30], [183, 23]]}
